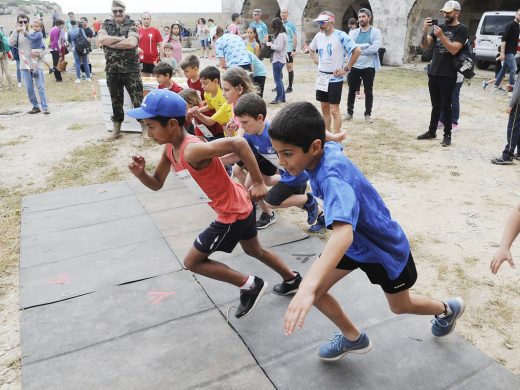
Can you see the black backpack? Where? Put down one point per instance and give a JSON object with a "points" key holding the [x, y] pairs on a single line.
{"points": [[465, 61], [82, 44]]}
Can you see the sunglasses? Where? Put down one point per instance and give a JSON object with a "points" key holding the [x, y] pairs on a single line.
{"points": [[23, 21], [322, 23], [118, 11]]}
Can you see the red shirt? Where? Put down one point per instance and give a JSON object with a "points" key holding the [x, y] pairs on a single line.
{"points": [[228, 198], [197, 86], [149, 38], [96, 24], [174, 88]]}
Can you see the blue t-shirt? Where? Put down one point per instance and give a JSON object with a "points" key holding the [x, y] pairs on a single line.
{"points": [[258, 66], [262, 144], [261, 29], [232, 48], [290, 29], [364, 61], [350, 198]]}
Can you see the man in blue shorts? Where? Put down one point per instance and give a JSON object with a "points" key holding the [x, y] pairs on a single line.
{"points": [[364, 236], [328, 50]]}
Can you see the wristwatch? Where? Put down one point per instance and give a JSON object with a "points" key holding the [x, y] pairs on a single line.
{"points": [[346, 69]]}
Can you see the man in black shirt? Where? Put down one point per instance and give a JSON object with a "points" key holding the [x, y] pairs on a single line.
{"points": [[447, 39], [508, 49]]}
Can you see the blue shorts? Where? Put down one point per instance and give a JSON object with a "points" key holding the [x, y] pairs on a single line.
{"points": [[204, 43], [224, 237]]}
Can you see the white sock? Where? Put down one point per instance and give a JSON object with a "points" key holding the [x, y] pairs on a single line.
{"points": [[249, 283]]}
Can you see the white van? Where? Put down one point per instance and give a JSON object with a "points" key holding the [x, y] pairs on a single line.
{"points": [[489, 37]]}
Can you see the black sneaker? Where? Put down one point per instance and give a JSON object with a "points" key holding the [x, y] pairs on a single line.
{"points": [[288, 287], [249, 298], [516, 156], [265, 220], [446, 141], [273, 90], [427, 135], [502, 161], [288, 90]]}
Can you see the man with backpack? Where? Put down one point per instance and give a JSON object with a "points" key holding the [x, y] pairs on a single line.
{"points": [[80, 50], [448, 39]]}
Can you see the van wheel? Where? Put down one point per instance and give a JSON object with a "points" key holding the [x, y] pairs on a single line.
{"points": [[482, 64]]}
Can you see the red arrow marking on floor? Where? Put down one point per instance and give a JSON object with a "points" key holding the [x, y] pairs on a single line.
{"points": [[60, 279], [158, 296]]}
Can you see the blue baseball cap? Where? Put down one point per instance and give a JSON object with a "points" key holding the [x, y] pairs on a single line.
{"points": [[160, 102]]}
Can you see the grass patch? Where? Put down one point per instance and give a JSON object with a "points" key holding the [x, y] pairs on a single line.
{"points": [[17, 141], [85, 165], [10, 205], [76, 126], [400, 79]]}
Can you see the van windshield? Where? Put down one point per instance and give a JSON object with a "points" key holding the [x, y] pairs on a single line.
{"points": [[495, 24]]}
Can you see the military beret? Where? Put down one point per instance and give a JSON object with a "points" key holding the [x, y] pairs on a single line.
{"points": [[119, 4]]}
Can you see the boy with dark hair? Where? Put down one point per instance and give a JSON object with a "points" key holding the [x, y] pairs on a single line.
{"points": [[363, 236], [163, 74], [164, 112], [289, 190], [215, 102], [190, 66]]}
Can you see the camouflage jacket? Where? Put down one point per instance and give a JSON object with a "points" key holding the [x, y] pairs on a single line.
{"points": [[118, 60]]}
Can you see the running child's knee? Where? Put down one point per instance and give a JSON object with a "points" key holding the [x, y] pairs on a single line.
{"points": [[399, 308]]}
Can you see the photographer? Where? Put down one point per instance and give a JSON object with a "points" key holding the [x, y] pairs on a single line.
{"points": [[447, 39]]}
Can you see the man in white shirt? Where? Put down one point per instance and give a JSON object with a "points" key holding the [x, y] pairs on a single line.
{"points": [[329, 50]]}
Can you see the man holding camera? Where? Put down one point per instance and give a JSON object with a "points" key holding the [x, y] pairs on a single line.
{"points": [[447, 39]]}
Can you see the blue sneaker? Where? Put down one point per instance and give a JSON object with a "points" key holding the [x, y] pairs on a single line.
{"points": [[444, 325], [311, 206], [319, 225], [339, 346]]}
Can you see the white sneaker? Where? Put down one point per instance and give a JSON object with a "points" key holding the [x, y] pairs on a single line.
{"points": [[78, 81], [368, 119], [19, 85], [89, 80], [347, 117]]}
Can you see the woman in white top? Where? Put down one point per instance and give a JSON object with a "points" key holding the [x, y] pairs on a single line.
{"points": [[203, 35], [278, 58]]}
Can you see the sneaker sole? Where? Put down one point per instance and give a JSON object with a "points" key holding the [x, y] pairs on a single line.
{"points": [[262, 291], [502, 162], [454, 323], [266, 226], [357, 351], [292, 292]]}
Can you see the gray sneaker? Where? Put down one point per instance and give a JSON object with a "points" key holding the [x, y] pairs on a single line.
{"points": [[368, 119], [339, 346], [347, 117], [265, 220]]}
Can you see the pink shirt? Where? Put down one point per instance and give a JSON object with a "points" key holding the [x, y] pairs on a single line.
{"points": [[229, 199], [233, 29], [177, 49]]}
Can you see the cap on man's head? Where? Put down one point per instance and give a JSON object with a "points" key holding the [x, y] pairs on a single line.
{"points": [[325, 16], [160, 102], [118, 4], [451, 6]]}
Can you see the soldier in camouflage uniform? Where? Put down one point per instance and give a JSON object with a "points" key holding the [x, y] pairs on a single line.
{"points": [[120, 39]]}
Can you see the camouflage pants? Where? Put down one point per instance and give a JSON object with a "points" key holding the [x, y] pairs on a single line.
{"points": [[117, 83]]}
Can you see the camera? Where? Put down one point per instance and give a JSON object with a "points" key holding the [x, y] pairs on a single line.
{"points": [[435, 22]]}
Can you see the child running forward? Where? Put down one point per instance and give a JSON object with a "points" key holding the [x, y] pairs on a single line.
{"points": [[163, 74], [190, 66], [364, 236], [164, 112]]}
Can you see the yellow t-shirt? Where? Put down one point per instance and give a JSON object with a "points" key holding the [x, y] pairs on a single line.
{"points": [[223, 110]]}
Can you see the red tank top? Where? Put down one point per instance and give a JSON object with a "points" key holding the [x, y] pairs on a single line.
{"points": [[228, 198]]}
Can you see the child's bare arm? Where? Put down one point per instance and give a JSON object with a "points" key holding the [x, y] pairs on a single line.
{"points": [[338, 243], [511, 231], [155, 181]]}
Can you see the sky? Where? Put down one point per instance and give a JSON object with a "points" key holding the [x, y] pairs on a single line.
{"points": [[134, 6]]}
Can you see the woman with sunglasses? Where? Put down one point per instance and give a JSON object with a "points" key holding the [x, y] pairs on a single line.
{"points": [[32, 75]]}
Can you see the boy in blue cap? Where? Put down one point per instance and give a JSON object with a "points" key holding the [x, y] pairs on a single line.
{"points": [[363, 236], [198, 163]]}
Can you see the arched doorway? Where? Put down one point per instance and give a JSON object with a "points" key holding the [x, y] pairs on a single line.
{"points": [[343, 10], [471, 12], [270, 9]]}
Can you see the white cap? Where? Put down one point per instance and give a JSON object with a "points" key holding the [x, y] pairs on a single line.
{"points": [[451, 6], [325, 16]]}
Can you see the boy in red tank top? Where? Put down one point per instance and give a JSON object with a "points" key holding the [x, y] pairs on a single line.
{"points": [[163, 112]]}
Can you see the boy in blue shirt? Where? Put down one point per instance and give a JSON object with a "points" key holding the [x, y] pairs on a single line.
{"points": [[363, 236]]}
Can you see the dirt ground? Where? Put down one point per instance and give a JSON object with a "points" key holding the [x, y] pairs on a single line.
{"points": [[452, 202]]}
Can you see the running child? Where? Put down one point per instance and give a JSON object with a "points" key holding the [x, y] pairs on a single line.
{"points": [[164, 112], [363, 236], [207, 133], [163, 74], [190, 66]]}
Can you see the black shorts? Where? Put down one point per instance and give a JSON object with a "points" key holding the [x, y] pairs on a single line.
{"points": [[333, 96], [147, 68], [378, 275], [266, 168], [224, 237], [289, 58], [281, 191]]}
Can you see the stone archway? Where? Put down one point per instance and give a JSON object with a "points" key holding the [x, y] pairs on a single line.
{"points": [[471, 12], [270, 9], [351, 12]]}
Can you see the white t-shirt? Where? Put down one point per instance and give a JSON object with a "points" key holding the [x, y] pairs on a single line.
{"points": [[332, 51]]}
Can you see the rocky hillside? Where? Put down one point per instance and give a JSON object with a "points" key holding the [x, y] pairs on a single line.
{"points": [[28, 7]]}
